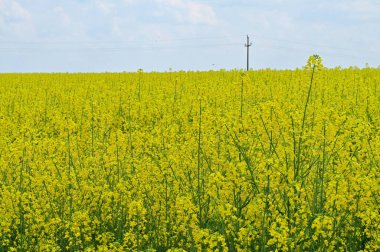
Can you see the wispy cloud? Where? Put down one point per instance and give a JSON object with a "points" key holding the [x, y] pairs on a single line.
{"points": [[359, 9], [190, 11], [14, 18], [106, 7], [63, 16]]}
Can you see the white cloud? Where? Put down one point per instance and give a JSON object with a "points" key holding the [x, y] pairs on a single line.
{"points": [[190, 11], [130, 1], [105, 6], [13, 16], [63, 15], [13, 10], [360, 9]]}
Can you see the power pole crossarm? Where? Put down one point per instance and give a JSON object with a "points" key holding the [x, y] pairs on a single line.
{"points": [[248, 45]]}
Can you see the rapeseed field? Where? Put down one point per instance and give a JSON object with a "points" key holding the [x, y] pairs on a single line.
{"points": [[191, 161]]}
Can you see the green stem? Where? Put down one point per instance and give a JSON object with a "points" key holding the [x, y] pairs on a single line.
{"points": [[199, 163], [303, 123]]}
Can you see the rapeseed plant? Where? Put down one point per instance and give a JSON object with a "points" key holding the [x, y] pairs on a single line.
{"points": [[191, 161]]}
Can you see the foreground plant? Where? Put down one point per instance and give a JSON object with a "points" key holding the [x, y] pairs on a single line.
{"points": [[191, 161]]}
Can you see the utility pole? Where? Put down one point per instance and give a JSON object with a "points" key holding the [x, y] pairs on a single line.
{"points": [[248, 45]]}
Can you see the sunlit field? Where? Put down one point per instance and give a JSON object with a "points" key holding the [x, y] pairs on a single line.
{"points": [[191, 161]]}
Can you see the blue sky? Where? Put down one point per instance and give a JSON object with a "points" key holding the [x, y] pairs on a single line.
{"points": [[158, 35]]}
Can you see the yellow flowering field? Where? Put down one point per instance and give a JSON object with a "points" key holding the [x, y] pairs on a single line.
{"points": [[191, 161]]}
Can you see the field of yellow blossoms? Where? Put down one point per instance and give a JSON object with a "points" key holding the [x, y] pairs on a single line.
{"points": [[191, 161]]}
